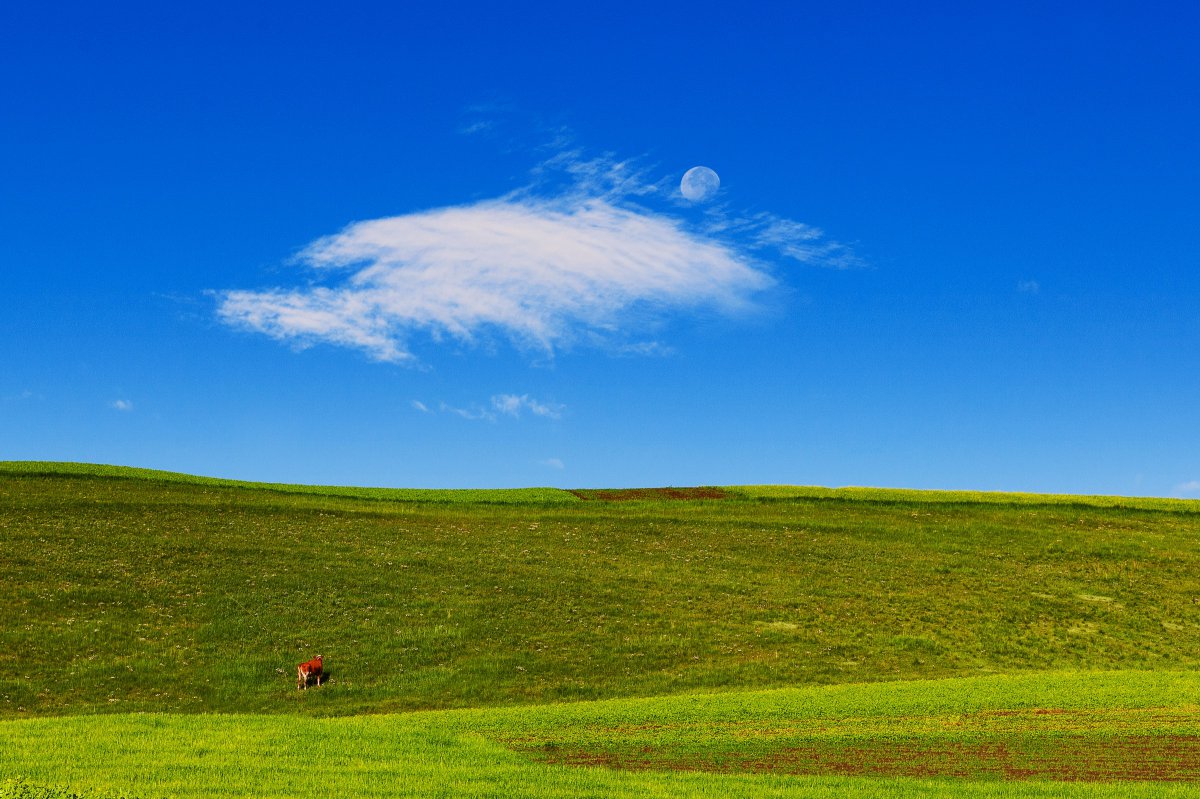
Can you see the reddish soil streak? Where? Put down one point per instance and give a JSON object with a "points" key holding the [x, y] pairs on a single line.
{"points": [[1168, 758], [628, 494]]}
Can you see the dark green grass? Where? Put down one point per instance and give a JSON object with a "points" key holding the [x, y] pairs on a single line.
{"points": [[22, 789], [132, 594]]}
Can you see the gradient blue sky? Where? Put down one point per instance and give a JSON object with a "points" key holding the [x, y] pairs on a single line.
{"points": [[373, 245]]}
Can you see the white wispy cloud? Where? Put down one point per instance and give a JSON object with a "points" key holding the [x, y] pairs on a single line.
{"points": [[1190, 487], [121, 405], [513, 405], [578, 256], [1029, 287], [472, 414], [554, 463], [649, 349], [793, 240], [420, 406]]}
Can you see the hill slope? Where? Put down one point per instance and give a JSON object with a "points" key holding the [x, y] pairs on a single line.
{"points": [[132, 592]]}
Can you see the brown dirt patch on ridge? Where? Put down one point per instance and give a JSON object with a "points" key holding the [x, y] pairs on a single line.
{"points": [[1151, 758], [630, 494]]}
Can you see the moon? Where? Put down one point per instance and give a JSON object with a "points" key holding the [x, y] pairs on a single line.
{"points": [[699, 184]]}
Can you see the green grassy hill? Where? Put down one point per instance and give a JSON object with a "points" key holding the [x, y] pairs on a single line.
{"points": [[140, 591]]}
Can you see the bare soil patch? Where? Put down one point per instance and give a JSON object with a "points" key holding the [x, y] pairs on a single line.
{"points": [[631, 494], [1149, 758]]}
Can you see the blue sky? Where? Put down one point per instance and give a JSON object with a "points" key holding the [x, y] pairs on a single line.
{"points": [[373, 245]]}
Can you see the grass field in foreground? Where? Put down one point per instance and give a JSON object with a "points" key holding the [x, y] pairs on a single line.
{"points": [[500, 752]]}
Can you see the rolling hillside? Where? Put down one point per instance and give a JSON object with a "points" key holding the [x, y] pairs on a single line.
{"points": [[130, 590], [722, 641]]}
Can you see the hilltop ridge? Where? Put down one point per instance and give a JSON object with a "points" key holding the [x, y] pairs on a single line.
{"points": [[537, 495]]}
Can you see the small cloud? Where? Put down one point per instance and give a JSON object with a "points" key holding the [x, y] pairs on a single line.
{"points": [[795, 240], [420, 406], [472, 414], [486, 117], [1190, 487], [1029, 287], [507, 403], [121, 405], [646, 349], [554, 463], [513, 405], [478, 126]]}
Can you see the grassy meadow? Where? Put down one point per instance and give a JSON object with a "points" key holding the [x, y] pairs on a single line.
{"points": [[738, 641], [989, 734]]}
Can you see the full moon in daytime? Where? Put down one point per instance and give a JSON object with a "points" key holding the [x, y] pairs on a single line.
{"points": [[699, 184]]}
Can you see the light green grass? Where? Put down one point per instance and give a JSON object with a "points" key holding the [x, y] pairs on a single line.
{"points": [[536, 496], [1009, 498], [461, 753]]}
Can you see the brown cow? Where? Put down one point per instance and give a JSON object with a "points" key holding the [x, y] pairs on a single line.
{"points": [[308, 671]]}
